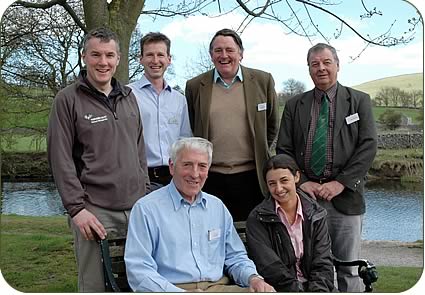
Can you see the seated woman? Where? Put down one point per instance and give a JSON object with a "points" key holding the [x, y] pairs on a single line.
{"points": [[287, 235]]}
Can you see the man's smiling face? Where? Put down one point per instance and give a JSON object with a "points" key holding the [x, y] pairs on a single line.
{"points": [[226, 56], [101, 59], [155, 60], [189, 172]]}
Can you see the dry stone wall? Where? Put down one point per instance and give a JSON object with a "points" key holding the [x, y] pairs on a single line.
{"points": [[400, 140]]}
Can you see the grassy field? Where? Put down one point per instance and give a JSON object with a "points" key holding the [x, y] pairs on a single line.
{"points": [[412, 113], [36, 255], [24, 143], [405, 82]]}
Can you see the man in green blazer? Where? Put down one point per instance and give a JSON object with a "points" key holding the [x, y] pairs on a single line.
{"points": [[235, 108], [349, 147]]}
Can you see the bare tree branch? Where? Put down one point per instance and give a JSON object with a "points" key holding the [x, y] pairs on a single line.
{"points": [[345, 23], [369, 13], [51, 3], [251, 12]]}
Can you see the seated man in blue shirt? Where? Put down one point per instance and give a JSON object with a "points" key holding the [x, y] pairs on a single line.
{"points": [[182, 239]]}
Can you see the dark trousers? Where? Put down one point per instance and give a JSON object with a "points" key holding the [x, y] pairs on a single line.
{"points": [[240, 192]]}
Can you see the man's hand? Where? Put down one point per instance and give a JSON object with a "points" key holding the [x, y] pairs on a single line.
{"points": [[329, 190], [87, 222], [257, 284], [311, 188]]}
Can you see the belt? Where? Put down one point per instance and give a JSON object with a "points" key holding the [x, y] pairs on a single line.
{"points": [[160, 171]]}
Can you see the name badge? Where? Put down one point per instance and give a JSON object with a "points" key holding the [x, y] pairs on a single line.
{"points": [[174, 119], [262, 106], [214, 234], [352, 118]]}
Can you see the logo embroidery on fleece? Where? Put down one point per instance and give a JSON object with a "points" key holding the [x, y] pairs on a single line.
{"points": [[94, 120]]}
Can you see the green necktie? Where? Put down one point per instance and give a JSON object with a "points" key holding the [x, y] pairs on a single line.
{"points": [[318, 154]]}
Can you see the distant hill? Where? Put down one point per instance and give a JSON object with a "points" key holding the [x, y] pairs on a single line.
{"points": [[406, 82]]}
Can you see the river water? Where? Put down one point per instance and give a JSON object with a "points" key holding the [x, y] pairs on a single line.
{"points": [[393, 212]]}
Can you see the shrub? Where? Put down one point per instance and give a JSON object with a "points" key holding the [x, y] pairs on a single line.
{"points": [[390, 119]]}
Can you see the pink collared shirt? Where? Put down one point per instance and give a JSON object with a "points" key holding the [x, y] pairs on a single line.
{"points": [[295, 231]]}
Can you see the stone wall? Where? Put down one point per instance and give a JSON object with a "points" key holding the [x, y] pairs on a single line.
{"points": [[401, 140]]}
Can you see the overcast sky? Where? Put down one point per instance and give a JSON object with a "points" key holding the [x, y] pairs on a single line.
{"points": [[269, 47]]}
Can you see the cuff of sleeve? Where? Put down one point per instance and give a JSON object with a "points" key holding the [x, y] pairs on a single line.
{"points": [[75, 211]]}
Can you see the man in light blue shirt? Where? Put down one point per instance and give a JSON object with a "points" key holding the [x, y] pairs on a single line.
{"points": [[163, 109], [180, 238]]}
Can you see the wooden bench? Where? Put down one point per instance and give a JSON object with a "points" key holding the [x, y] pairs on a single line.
{"points": [[112, 253]]}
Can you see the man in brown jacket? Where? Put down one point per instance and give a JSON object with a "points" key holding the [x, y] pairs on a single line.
{"points": [[96, 153], [235, 108]]}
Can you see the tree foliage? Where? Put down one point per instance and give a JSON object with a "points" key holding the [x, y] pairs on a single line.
{"points": [[391, 119]]}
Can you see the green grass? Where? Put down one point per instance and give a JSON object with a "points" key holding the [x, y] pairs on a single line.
{"points": [[26, 118], [412, 113], [36, 255], [24, 143], [399, 154], [407, 83], [409, 163], [396, 279]]}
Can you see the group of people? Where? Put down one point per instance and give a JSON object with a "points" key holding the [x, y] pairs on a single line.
{"points": [[173, 171]]}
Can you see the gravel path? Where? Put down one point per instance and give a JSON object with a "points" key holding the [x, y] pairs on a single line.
{"points": [[393, 253]]}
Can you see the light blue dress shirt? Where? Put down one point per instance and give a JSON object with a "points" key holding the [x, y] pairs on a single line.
{"points": [[165, 118], [171, 241], [217, 78]]}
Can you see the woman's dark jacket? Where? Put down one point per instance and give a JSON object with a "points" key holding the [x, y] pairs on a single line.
{"points": [[269, 245]]}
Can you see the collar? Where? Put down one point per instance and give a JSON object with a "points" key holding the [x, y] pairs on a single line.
{"points": [[330, 93], [179, 201], [117, 87], [217, 78], [299, 209], [144, 82]]}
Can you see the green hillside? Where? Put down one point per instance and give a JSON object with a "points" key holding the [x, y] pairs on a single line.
{"points": [[405, 82]]}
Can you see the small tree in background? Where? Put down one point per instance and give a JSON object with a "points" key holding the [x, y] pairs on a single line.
{"points": [[291, 87], [390, 119]]}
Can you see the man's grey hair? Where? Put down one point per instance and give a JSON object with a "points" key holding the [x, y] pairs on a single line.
{"points": [[319, 47], [192, 143]]}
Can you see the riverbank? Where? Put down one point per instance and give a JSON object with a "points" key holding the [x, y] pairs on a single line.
{"points": [[393, 253], [404, 164]]}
